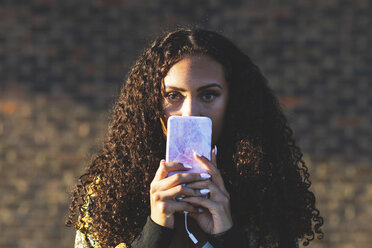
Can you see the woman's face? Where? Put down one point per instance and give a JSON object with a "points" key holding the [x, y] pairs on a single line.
{"points": [[196, 86]]}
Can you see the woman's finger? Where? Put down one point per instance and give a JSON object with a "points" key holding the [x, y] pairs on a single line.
{"points": [[170, 207], [183, 206], [201, 201], [180, 178], [216, 194], [166, 167], [214, 156], [213, 171], [182, 191]]}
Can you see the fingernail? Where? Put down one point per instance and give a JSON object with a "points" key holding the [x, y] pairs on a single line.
{"points": [[204, 191], [162, 161], [215, 150], [187, 166], [179, 198], [205, 175], [183, 185], [200, 210], [197, 154]]}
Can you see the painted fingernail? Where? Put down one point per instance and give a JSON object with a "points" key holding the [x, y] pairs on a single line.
{"points": [[204, 191], [215, 150], [183, 185], [179, 198], [200, 210], [198, 154], [205, 176], [187, 166]]}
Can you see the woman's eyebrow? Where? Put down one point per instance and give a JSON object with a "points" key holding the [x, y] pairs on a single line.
{"points": [[209, 86], [199, 89], [174, 88]]}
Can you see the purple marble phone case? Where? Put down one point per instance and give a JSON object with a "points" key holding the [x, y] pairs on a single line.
{"points": [[186, 135]]}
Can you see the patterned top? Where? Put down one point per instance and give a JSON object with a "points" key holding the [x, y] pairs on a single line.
{"points": [[85, 235]]}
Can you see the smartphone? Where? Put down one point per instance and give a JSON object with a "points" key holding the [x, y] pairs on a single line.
{"points": [[186, 135]]}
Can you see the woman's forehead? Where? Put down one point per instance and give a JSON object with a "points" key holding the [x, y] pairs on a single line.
{"points": [[195, 70]]}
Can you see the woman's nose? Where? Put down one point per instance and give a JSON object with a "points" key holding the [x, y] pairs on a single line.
{"points": [[189, 108]]}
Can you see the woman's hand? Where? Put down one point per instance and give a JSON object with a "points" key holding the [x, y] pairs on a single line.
{"points": [[164, 191], [216, 216]]}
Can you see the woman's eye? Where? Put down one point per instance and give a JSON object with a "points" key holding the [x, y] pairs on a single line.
{"points": [[210, 96], [174, 96]]}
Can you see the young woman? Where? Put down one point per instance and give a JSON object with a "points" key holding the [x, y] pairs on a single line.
{"points": [[257, 182]]}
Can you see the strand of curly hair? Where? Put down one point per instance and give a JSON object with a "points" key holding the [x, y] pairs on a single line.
{"points": [[261, 165]]}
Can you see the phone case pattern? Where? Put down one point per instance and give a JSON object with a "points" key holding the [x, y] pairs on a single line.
{"points": [[192, 134]]}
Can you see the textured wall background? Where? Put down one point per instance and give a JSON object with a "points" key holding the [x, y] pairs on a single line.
{"points": [[62, 62]]}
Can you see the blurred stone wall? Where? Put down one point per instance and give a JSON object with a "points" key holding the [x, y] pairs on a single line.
{"points": [[62, 63]]}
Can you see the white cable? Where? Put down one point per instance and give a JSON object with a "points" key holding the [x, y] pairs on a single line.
{"points": [[192, 237]]}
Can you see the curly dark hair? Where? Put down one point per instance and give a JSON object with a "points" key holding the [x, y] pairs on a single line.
{"points": [[262, 166]]}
